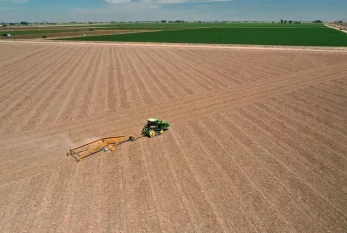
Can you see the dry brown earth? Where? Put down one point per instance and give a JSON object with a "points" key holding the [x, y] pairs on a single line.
{"points": [[56, 35], [258, 141], [339, 27]]}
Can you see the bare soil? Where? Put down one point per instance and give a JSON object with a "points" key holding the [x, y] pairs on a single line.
{"points": [[57, 35], [339, 27], [257, 140]]}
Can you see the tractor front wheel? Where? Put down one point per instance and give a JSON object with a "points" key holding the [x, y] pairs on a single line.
{"points": [[161, 131], [152, 133]]}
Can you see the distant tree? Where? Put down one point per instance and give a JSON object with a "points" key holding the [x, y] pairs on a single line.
{"points": [[163, 21], [4, 25], [24, 23], [290, 22], [317, 21], [273, 21], [285, 21], [281, 21], [199, 21]]}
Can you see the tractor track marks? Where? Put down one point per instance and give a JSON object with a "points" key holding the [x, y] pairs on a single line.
{"points": [[50, 112], [72, 93], [92, 88], [181, 70], [241, 95], [20, 103], [124, 97], [15, 86], [229, 73], [202, 77], [264, 202], [259, 159], [47, 96], [257, 141], [180, 87], [313, 165], [13, 65], [98, 100], [213, 78], [81, 98], [161, 90], [250, 146], [318, 113], [112, 87], [191, 111], [142, 86]]}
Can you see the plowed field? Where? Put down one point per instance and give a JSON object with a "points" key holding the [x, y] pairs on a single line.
{"points": [[258, 139]]}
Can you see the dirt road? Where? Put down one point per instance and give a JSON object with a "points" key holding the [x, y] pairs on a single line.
{"points": [[180, 45], [257, 142], [337, 28]]}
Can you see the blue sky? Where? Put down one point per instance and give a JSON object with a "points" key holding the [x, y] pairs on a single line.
{"points": [[127, 10]]}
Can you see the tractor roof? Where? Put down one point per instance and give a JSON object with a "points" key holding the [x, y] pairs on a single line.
{"points": [[152, 119]]}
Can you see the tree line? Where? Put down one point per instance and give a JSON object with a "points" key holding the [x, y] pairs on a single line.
{"points": [[289, 22]]}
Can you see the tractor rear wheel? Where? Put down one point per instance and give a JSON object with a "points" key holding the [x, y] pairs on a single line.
{"points": [[151, 133]]}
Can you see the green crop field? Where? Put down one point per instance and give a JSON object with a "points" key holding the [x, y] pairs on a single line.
{"points": [[314, 36], [154, 26]]}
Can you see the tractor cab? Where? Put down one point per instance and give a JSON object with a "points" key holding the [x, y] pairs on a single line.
{"points": [[152, 122], [154, 127]]}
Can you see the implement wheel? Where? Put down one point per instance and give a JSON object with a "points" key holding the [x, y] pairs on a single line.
{"points": [[151, 133]]}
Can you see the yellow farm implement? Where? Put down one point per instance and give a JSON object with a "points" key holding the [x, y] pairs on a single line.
{"points": [[102, 144]]}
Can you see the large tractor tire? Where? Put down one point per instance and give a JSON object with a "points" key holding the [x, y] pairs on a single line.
{"points": [[151, 133], [143, 131]]}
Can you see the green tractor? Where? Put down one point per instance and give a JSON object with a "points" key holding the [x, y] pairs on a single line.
{"points": [[155, 127]]}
